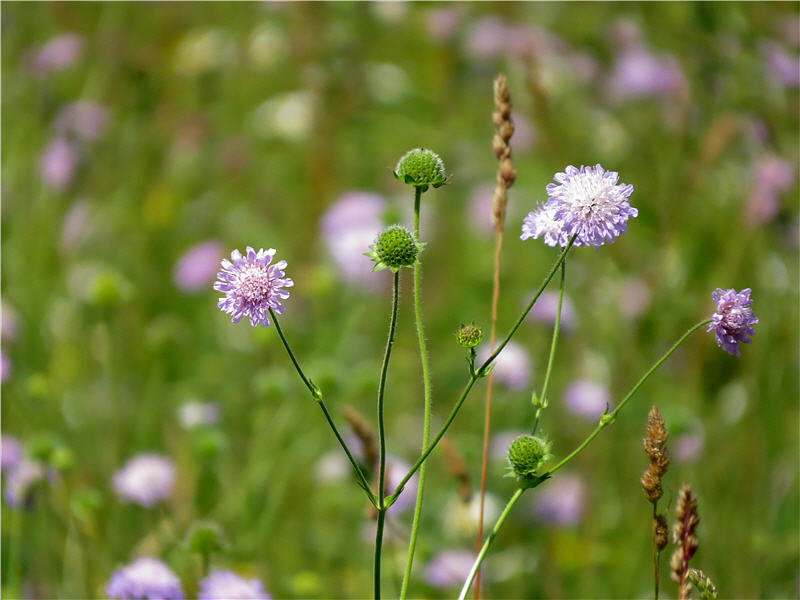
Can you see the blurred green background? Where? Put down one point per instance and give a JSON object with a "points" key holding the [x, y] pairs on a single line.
{"points": [[233, 124]]}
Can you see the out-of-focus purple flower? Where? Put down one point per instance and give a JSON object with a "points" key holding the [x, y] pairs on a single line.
{"points": [[782, 66], [58, 54], [541, 222], [8, 321], [145, 479], [194, 414], [480, 208], [58, 162], [75, 225], [396, 469], [5, 366], [589, 203], [546, 309], [252, 285], [195, 269], [20, 480], [84, 119], [349, 226], [587, 399], [772, 176], [733, 321], [560, 502], [637, 73], [443, 21], [225, 585], [449, 569], [501, 441], [144, 579], [512, 367], [687, 447], [634, 297], [486, 37], [10, 452], [524, 134]]}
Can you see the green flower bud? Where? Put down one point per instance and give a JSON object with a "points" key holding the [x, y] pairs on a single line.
{"points": [[527, 454], [469, 336], [420, 167], [205, 537], [395, 247]]}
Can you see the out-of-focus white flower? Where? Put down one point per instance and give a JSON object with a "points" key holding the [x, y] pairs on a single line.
{"points": [[461, 518], [267, 46], [387, 83], [289, 116], [202, 51]]}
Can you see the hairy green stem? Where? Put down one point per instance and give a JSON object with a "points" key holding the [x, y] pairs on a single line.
{"points": [[608, 418], [488, 542], [316, 393], [475, 374], [426, 390], [382, 435], [541, 403]]}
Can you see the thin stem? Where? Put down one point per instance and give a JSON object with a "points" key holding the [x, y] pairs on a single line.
{"points": [[655, 551], [378, 546], [477, 373], [609, 418], [550, 274], [382, 435], [542, 400], [488, 542], [317, 395], [498, 245], [426, 390]]}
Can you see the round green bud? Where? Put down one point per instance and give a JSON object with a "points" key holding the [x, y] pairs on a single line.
{"points": [[205, 537], [395, 248], [469, 336], [526, 454], [420, 167]]}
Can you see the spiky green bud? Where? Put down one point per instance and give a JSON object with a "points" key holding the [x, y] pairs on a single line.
{"points": [[421, 167], [469, 336], [527, 454], [394, 248]]}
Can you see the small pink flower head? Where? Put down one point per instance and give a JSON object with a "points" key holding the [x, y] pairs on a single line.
{"points": [[146, 479], [252, 285], [733, 321], [58, 163], [196, 268], [58, 54]]}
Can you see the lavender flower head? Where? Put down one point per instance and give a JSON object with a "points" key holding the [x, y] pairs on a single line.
{"points": [[733, 321], [145, 479], [585, 202], [587, 399], [196, 268], [10, 452], [144, 579], [561, 503], [512, 367], [252, 286], [449, 568], [20, 481], [225, 585]]}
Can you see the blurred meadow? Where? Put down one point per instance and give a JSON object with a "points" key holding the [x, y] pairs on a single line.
{"points": [[142, 143]]}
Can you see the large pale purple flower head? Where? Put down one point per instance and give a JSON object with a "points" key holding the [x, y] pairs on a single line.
{"points": [[587, 203], [225, 585], [733, 321], [541, 223], [252, 286], [196, 268], [144, 579], [145, 479]]}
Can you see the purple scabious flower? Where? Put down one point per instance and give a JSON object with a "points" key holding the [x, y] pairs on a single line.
{"points": [[733, 320], [225, 585], [58, 54], [541, 223], [587, 399], [10, 452], [20, 480], [196, 268], [252, 286], [145, 479], [144, 579], [588, 203], [546, 310], [512, 367], [58, 163], [449, 568], [560, 503], [84, 119]]}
